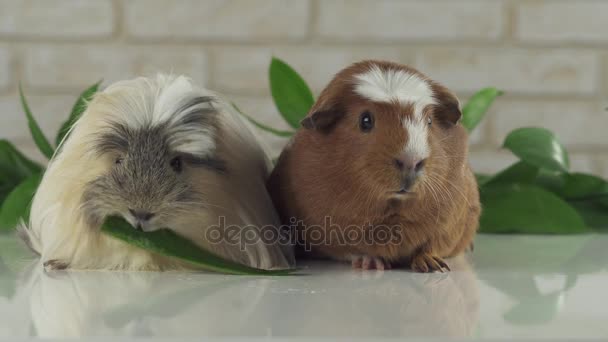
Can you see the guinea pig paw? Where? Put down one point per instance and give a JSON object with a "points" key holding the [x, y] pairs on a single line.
{"points": [[366, 262], [55, 265], [426, 263]]}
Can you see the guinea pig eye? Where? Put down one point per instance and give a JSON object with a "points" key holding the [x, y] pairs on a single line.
{"points": [[429, 121], [118, 160], [176, 164], [366, 122]]}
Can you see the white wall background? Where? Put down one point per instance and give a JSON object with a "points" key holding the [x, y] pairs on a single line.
{"points": [[551, 57]]}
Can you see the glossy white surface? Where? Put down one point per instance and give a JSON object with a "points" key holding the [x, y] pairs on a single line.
{"points": [[514, 286]]}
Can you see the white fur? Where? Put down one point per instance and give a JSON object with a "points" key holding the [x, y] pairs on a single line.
{"points": [[57, 228], [145, 102], [395, 85], [391, 85], [417, 145]]}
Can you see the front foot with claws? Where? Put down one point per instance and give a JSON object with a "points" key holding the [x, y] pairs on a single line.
{"points": [[427, 263], [366, 262], [55, 265]]}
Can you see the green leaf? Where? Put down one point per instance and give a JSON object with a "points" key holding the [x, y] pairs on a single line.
{"points": [[168, 243], [528, 209], [14, 168], [43, 144], [522, 172], [17, 203], [259, 125], [593, 212], [478, 105], [77, 110], [551, 180], [519, 172], [578, 186], [291, 94], [539, 147], [13, 160]]}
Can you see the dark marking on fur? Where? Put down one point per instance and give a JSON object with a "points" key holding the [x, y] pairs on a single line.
{"points": [[212, 163], [55, 265], [203, 116], [115, 139]]}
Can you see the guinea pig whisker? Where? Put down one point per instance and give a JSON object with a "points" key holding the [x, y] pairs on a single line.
{"points": [[448, 182], [439, 181], [432, 191]]}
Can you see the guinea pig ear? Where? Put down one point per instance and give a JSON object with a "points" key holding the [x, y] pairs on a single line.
{"points": [[323, 120], [448, 109]]}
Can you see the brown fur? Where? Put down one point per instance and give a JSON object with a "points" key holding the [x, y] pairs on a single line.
{"points": [[332, 169]]}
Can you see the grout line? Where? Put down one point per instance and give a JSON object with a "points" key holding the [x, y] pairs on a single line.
{"points": [[118, 12], [313, 21], [210, 67], [509, 17]]}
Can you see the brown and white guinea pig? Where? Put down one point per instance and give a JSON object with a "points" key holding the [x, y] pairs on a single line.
{"points": [[378, 173], [162, 153]]}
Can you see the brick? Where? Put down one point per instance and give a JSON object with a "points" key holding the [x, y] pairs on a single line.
{"points": [[576, 123], [56, 18], [235, 74], [217, 19], [561, 22], [521, 71], [478, 135], [490, 161], [5, 68], [391, 20], [264, 111], [73, 67]]}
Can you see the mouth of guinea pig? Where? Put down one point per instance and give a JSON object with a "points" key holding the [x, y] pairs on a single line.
{"points": [[402, 193], [141, 225], [407, 186]]}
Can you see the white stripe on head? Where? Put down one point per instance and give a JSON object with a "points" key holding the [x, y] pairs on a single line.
{"points": [[417, 144], [164, 100], [388, 85], [406, 88]]}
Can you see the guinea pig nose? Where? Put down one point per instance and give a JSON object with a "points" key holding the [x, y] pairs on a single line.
{"points": [[406, 162], [141, 215], [419, 165]]}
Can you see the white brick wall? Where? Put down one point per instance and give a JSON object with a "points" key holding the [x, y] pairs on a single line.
{"points": [[580, 123], [245, 69], [551, 57], [56, 18], [72, 67], [514, 70], [5, 68], [402, 21], [563, 21], [229, 20]]}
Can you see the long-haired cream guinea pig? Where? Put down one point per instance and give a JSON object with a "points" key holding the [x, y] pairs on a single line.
{"points": [[378, 174], [161, 153]]}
